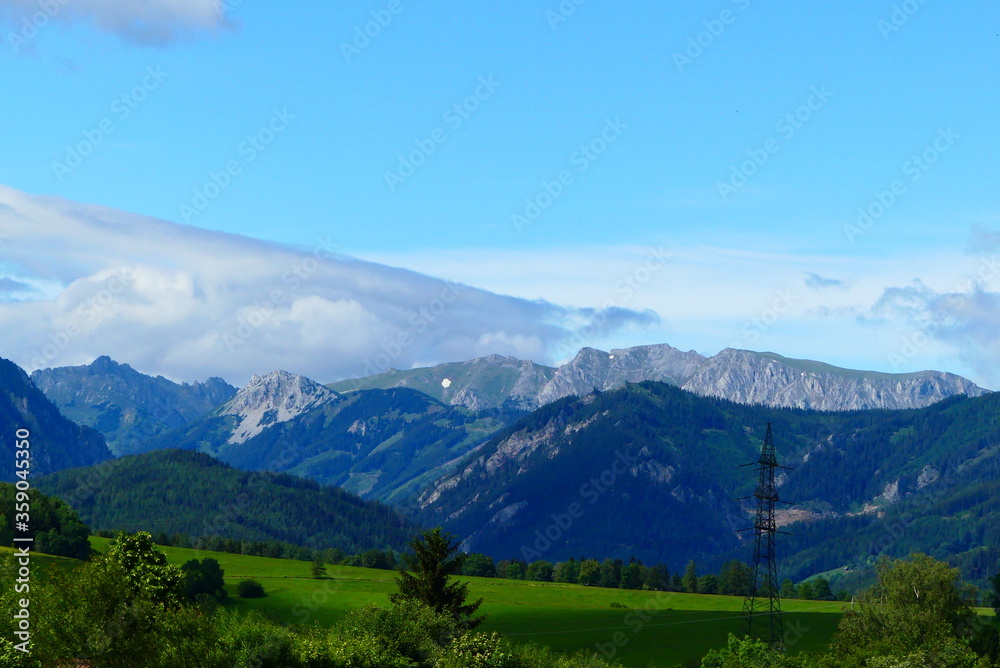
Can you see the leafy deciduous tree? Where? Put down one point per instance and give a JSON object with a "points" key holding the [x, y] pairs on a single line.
{"points": [[567, 571], [590, 573], [708, 584], [633, 575], [204, 577], [539, 571], [479, 565], [917, 604], [821, 590]]}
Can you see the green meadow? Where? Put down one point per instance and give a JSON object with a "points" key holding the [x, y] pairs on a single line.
{"points": [[654, 629]]}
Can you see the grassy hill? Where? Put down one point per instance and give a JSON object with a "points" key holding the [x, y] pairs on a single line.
{"points": [[491, 381]]}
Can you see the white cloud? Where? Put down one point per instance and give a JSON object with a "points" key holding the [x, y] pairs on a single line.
{"points": [[190, 303], [710, 297], [155, 22], [964, 318]]}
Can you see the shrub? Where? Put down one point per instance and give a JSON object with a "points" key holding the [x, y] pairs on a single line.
{"points": [[408, 630], [10, 657], [479, 650], [748, 653], [250, 589], [250, 640]]}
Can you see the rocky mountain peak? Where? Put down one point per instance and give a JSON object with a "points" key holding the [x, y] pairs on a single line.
{"points": [[592, 368], [104, 364], [276, 397]]}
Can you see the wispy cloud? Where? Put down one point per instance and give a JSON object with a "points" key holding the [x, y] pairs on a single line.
{"points": [[189, 303], [964, 318], [817, 282], [150, 22], [9, 285]]}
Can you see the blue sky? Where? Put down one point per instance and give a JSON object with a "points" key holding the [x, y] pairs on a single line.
{"points": [[310, 128]]}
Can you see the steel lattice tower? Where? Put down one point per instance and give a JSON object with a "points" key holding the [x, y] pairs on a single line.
{"points": [[762, 607]]}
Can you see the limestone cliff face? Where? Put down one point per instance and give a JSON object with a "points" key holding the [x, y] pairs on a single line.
{"points": [[595, 369], [763, 378]]}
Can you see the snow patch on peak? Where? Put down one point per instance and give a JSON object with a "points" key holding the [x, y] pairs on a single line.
{"points": [[277, 397]]}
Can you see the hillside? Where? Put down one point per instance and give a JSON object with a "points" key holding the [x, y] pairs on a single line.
{"points": [[668, 460], [126, 406], [175, 491], [936, 481], [56, 442], [380, 444]]}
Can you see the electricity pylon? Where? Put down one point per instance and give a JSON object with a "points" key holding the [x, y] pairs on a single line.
{"points": [[762, 607]]}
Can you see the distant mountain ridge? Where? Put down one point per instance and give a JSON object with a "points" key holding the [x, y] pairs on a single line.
{"points": [[127, 406], [738, 375], [55, 442], [486, 382], [766, 378], [662, 456]]}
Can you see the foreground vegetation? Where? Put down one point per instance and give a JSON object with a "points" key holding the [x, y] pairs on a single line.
{"points": [[917, 615], [129, 607]]}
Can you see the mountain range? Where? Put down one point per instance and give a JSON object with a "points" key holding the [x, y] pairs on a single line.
{"points": [[126, 406], [738, 375], [632, 452], [389, 436]]}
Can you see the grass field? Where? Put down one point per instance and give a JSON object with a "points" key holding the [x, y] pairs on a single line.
{"points": [[657, 629]]}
